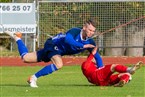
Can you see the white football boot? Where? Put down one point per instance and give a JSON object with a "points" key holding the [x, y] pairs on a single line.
{"points": [[14, 35], [32, 81]]}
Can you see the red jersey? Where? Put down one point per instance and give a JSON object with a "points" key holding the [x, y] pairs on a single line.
{"points": [[94, 75]]}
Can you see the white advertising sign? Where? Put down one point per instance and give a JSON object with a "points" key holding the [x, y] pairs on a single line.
{"points": [[17, 17]]}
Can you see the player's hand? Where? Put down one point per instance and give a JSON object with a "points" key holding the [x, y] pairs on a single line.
{"points": [[94, 50], [89, 46]]}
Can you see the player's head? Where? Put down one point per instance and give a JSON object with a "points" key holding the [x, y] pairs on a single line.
{"points": [[89, 27]]}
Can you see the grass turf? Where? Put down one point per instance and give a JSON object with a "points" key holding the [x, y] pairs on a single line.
{"points": [[67, 82]]}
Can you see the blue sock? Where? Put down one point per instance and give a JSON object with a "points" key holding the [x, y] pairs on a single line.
{"points": [[22, 48], [46, 70]]}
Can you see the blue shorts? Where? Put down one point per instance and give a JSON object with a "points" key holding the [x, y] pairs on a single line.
{"points": [[49, 50]]}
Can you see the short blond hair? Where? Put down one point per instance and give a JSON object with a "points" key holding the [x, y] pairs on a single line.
{"points": [[92, 21]]}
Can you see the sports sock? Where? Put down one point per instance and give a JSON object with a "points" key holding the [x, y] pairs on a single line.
{"points": [[46, 70], [114, 79], [125, 77], [17, 38], [21, 48], [120, 68], [34, 77]]}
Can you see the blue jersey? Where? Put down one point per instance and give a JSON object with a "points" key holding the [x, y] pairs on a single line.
{"points": [[67, 44], [71, 42]]}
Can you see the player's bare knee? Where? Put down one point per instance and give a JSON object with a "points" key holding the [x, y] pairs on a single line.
{"points": [[59, 66], [25, 59], [30, 57], [57, 60]]}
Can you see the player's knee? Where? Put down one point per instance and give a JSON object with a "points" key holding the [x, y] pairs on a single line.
{"points": [[30, 57], [57, 60], [59, 66], [26, 60]]}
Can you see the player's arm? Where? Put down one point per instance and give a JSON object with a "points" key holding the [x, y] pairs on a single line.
{"points": [[98, 60], [96, 55], [71, 34], [88, 62], [70, 40]]}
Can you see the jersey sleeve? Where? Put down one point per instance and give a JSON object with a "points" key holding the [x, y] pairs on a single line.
{"points": [[89, 59], [96, 56], [98, 60], [93, 43], [70, 37]]}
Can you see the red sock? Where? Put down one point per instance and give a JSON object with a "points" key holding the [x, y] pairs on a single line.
{"points": [[114, 79], [125, 77], [120, 68]]}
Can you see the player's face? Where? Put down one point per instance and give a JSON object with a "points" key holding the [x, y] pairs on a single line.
{"points": [[89, 29]]}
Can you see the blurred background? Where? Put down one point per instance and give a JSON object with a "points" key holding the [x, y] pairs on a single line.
{"points": [[121, 29]]}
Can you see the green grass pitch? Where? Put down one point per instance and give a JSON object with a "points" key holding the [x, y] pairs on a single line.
{"points": [[67, 82]]}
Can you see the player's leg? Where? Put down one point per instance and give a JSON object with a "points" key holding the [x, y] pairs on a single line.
{"points": [[50, 52], [135, 67], [114, 79], [30, 57], [118, 68], [123, 79], [21, 46], [23, 51], [57, 63], [103, 74], [122, 68]]}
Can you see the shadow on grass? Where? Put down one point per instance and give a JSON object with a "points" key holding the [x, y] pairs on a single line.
{"points": [[84, 85], [79, 85], [13, 85]]}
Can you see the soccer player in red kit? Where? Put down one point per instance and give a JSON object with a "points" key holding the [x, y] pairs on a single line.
{"points": [[105, 76]]}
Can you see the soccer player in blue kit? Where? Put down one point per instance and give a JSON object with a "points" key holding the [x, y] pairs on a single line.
{"points": [[74, 41]]}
